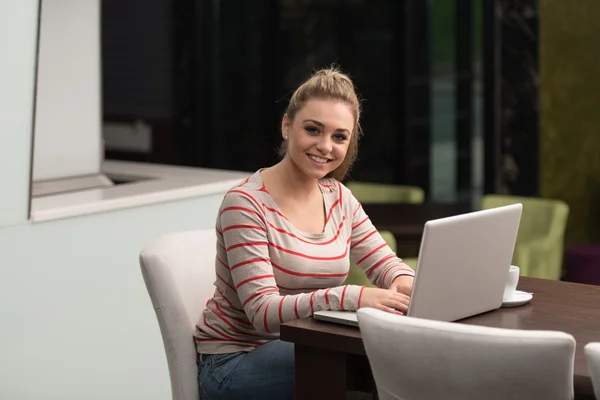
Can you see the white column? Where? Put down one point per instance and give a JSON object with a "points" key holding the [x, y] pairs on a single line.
{"points": [[18, 37], [67, 141]]}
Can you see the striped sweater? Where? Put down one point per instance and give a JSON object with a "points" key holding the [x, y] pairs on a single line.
{"points": [[268, 272]]}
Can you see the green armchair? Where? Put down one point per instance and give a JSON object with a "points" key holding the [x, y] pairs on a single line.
{"points": [[369, 192], [540, 242]]}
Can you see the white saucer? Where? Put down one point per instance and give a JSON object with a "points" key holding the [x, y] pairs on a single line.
{"points": [[519, 298]]}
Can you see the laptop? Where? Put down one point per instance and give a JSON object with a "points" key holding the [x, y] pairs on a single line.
{"points": [[462, 266]]}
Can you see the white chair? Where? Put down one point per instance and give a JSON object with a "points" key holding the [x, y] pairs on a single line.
{"points": [[592, 353], [414, 359], [179, 273]]}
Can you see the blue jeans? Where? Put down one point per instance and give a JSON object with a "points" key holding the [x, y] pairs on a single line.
{"points": [[264, 373]]}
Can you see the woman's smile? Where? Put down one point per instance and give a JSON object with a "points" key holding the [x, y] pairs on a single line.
{"points": [[318, 160]]}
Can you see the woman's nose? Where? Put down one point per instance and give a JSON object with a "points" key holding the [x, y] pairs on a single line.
{"points": [[324, 145]]}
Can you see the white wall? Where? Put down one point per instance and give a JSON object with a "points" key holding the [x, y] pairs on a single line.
{"points": [[18, 37], [67, 139], [76, 320]]}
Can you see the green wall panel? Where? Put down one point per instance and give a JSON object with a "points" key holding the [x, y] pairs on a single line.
{"points": [[570, 116]]}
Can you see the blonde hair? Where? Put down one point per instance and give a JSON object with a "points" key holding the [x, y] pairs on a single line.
{"points": [[329, 83]]}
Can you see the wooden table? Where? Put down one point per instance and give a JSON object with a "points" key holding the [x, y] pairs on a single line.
{"points": [[329, 356], [406, 221]]}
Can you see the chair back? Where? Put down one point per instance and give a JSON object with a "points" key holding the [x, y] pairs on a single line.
{"points": [[592, 353], [371, 192], [540, 216], [540, 243], [179, 273], [413, 358]]}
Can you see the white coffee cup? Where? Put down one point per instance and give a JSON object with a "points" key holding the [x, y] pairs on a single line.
{"points": [[511, 282]]}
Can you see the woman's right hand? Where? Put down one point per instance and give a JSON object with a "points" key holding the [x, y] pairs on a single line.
{"points": [[384, 299]]}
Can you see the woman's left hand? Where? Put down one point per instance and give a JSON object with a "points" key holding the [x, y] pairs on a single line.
{"points": [[403, 284]]}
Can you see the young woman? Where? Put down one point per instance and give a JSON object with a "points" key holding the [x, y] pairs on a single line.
{"points": [[284, 239]]}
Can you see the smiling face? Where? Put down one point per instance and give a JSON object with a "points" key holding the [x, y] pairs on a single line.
{"points": [[318, 136]]}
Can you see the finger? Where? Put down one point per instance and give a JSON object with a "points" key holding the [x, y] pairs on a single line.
{"points": [[392, 310], [399, 297], [401, 294], [398, 305]]}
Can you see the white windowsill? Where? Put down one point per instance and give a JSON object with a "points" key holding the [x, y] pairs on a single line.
{"points": [[151, 184]]}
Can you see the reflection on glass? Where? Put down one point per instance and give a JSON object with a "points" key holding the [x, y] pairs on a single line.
{"points": [[443, 150]]}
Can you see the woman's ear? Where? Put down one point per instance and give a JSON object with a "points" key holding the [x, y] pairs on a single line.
{"points": [[285, 126]]}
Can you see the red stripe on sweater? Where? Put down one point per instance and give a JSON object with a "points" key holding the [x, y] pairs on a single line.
{"points": [[255, 295], [374, 231], [360, 296], [385, 275], [231, 227], [375, 250], [238, 208], [296, 289], [327, 298], [219, 277], [343, 296], [252, 261], [357, 208], [404, 273], [281, 310], [246, 244], [310, 299], [360, 223], [222, 318], [228, 341], [378, 264], [274, 211], [295, 253], [248, 195], [222, 263], [226, 336], [253, 244], [281, 230], [340, 190], [225, 298], [254, 278], [241, 321], [245, 181], [296, 308], [287, 271], [265, 319], [335, 203], [256, 312]]}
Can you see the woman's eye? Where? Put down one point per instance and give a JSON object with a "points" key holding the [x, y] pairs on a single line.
{"points": [[311, 130], [341, 138]]}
